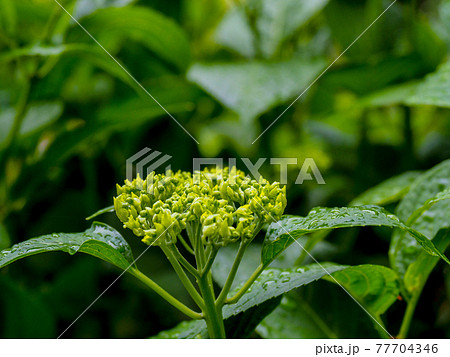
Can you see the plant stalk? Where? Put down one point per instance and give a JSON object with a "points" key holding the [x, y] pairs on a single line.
{"points": [[164, 294], [232, 274], [407, 319], [183, 277], [211, 312], [247, 285]]}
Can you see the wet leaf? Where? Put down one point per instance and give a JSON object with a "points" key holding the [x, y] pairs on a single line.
{"points": [[404, 249], [101, 241], [417, 273], [270, 284], [283, 233]]}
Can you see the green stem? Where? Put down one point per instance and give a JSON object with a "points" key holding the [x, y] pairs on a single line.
{"points": [[20, 115], [210, 261], [164, 294], [184, 262], [211, 312], [247, 285], [407, 319], [379, 326], [183, 277], [234, 268], [185, 245]]}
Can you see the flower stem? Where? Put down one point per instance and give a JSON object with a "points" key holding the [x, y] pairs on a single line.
{"points": [[211, 312], [246, 286], [407, 318], [164, 294], [183, 277], [234, 268], [184, 262]]}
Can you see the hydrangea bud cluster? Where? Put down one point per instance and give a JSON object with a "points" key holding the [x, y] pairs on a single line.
{"points": [[221, 205]]}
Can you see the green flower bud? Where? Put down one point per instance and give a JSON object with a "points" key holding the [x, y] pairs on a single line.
{"points": [[224, 203]]}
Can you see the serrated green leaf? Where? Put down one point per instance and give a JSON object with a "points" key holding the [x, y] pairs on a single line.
{"points": [[185, 330], [152, 29], [101, 241], [245, 323], [270, 284], [404, 249], [252, 88], [443, 195], [376, 287], [389, 191], [417, 273], [283, 233]]}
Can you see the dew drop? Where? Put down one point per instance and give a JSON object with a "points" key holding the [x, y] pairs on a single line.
{"points": [[268, 283]]}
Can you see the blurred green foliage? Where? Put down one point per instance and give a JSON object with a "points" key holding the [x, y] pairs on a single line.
{"points": [[225, 69]]}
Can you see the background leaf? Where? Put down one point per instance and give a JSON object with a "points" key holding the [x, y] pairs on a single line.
{"points": [[404, 249], [25, 314], [389, 191], [434, 90], [152, 29], [376, 287], [250, 89], [278, 20], [5, 241], [37, 117], [417, 273], [87, 7]]}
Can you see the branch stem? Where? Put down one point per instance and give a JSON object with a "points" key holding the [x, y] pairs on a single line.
{"points": [[232, 274], [409, 313], [247, 285], [164, 294], [183, 277]]}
